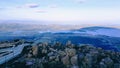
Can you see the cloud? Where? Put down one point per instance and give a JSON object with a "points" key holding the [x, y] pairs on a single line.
{"points": [[29, 5], [2, 8], [53, 6], [41, 11], [80, 1], [32, 5]]}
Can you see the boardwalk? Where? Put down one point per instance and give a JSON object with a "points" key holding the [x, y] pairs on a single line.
{"points": [[15, 52]]}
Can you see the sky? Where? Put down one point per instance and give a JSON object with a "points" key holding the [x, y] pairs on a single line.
{"points": [[62, 11]]}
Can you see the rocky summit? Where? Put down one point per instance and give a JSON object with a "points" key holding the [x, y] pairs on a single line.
{"points": [[58, 55]]}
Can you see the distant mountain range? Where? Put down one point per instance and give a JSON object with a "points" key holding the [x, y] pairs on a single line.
{"points": [[105, 37], [25, 26], [107, 31], [17, 29], [95, 30]]}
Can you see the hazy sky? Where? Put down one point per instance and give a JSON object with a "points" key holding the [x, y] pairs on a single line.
{"points": [[67, 11]]}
